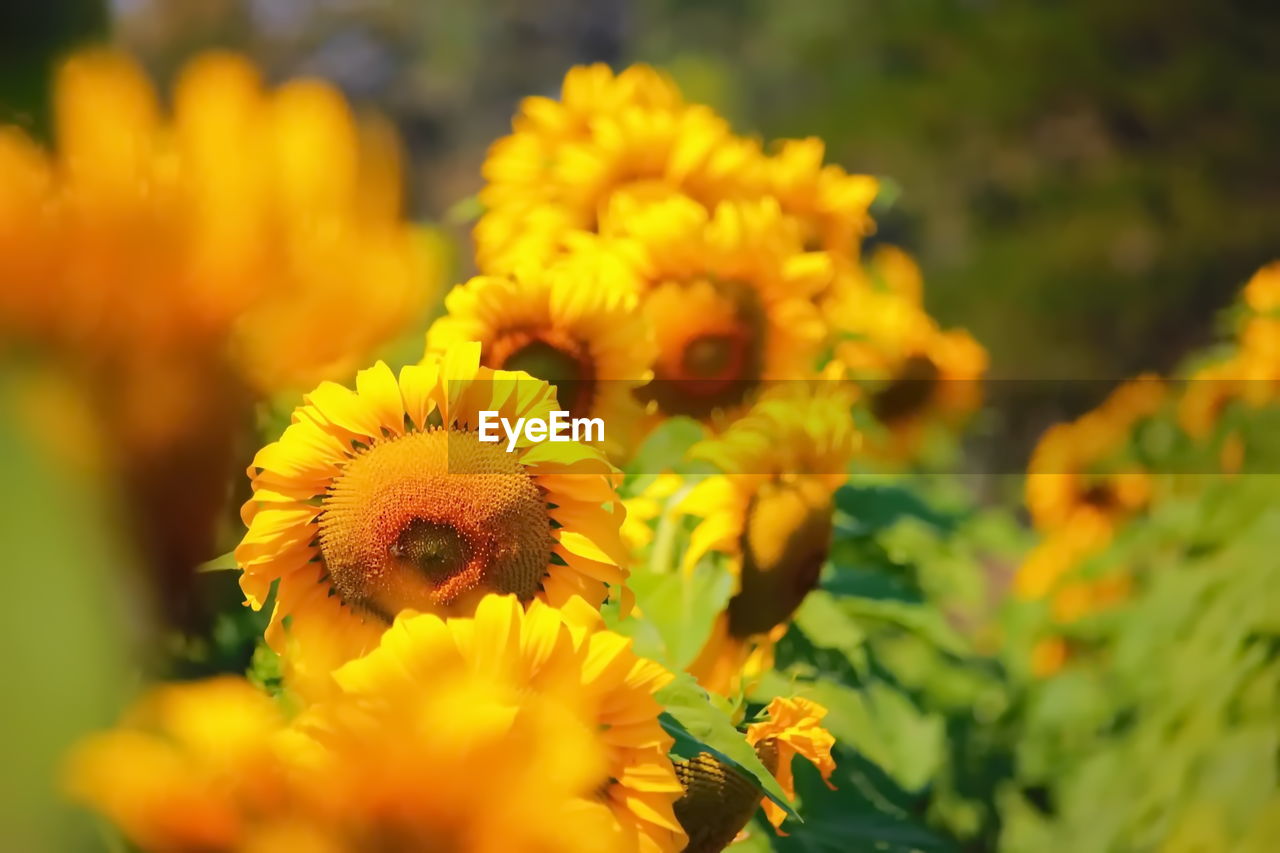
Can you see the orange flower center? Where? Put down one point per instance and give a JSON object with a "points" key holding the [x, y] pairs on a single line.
{"points": [[553, 357], [784, 544], [711, 345], [431, 521]]}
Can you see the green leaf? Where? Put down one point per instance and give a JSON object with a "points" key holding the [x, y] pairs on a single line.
{"points": [[848, 579], [829, 626], [222, 563], [699, 726], [666, 447], [873, 508], [464, 211], [841, 821], [927, 622], [678, 611]]}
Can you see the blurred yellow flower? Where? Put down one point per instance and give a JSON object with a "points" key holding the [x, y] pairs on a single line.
{"points": [[1084, 596], [384, 498], [832, 204], [1208, 393], [1067, 476], [770, 512], [917, 374], [1078, 493], [180, 267], [185, 767], [549, 656], [1250, 373], [264, 225], [728, 294], [573, 325], [1061, 551], [509, 731], [630, 133], [1262, 293], [1048, 656]]}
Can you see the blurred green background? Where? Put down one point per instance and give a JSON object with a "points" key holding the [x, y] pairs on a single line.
{"points": [[1085, 183]]}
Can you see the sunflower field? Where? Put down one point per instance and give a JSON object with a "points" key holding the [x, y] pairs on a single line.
{"points": [[297, 562]]}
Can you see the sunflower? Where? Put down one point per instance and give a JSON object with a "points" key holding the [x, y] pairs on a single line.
{"points": [[573, 325], [832, 204], [1250, 374], [180, 266], [1048, 656], [1262, 293], [1064, 548], [1251, 371], [184, 765], [718, 801], [384, 498], [1209, 392], [472, 756], [1050, 572], [770, 513], [917, 374], [729, 296], [562, 657], [1066, 479], [631, 133], [141, 233], [1078, 494]]}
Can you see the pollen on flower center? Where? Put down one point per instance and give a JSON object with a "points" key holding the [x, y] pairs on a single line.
{"points": [[436, 550], [430, 521]]}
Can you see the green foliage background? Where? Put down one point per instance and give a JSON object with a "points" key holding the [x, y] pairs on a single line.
{"points": [[1084, 182]]}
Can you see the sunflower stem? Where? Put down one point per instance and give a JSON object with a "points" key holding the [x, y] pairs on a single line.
{"points": [[664, 539]]}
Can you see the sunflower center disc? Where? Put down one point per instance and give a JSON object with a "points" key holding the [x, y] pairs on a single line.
{"points": [[431, 521], [1102, 497], [909, 392], [562, 363], [714, 356]]}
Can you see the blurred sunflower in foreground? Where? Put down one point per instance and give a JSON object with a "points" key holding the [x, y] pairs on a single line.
{"points": [[490, 733], [181, 267], [385, 498]]}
